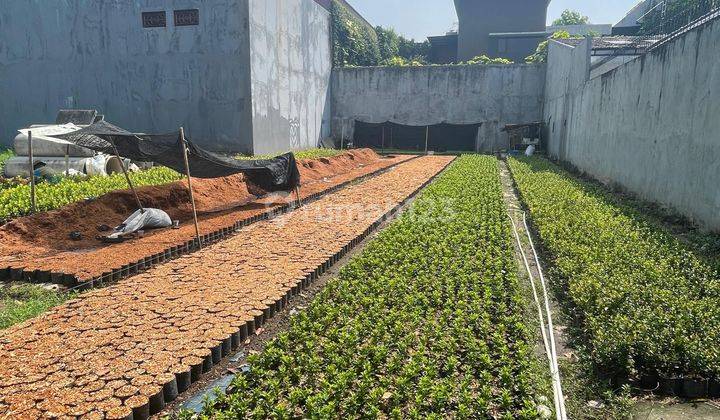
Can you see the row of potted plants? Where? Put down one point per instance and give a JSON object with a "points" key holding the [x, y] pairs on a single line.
{"points": [[649, 307], [426, 322]]}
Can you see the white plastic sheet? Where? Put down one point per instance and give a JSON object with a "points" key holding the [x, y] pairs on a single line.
{"points": [[150, 219]]}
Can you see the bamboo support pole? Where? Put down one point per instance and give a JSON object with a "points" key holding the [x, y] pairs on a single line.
{"points": [[31, 167], [129, 181], [427, 138], [67, 160], [183, 144], [342, 138]]}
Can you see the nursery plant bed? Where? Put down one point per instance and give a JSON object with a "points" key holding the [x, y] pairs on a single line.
{"points": [[39, 244], [645, 301], [144, 340]]}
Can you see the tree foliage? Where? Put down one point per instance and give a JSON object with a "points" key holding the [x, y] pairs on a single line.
{"points": [[541, 53], [388, 42], [356, 44], [485, 60], [571, 17]]}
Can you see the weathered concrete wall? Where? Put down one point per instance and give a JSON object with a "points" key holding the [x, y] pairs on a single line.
{"points": [[650, 125], [291, 68], [567, 72], [491, 95], [96, 54]]}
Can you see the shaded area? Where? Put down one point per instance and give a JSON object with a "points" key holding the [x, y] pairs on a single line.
{"points": [[440, 137], [276, 174]]}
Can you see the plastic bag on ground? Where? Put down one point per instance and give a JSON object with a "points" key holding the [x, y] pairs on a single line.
{"points": [[150, 219]]}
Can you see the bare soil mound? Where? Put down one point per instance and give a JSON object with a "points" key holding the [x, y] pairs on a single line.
{"points": [[51, 230]]}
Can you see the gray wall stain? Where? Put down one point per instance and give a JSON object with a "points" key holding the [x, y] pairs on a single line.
{"points": [[291, 69]]}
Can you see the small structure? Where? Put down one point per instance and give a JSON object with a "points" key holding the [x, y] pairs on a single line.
{"points": [[523, 135], [443, 48], [478, 19]]}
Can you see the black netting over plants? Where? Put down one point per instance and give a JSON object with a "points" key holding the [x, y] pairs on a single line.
{"points": [[278, 174]]}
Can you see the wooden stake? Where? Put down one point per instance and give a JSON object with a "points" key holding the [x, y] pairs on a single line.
{"points": [[342, 138], [31, 163], [383, 141], [67, 160], [297, 194], [183, 144], [427, 137], [129, 181]]}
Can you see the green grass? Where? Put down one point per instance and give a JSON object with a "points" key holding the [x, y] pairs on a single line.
{"points": [[22, 302], [427, 322], [302, 154]]}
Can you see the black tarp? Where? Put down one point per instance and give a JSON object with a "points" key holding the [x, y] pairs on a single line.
{"points": [[442, 137], [278, 174]]}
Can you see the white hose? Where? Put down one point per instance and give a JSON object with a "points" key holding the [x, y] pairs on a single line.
{"points": [[548, 335]]}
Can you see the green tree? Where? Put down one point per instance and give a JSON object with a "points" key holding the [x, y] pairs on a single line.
{"points": [[354, 43], [571, 17], [541, 53], [388, 42], [411, 50]]}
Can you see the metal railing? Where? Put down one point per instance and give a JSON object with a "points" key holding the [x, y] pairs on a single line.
{"points": [[672, 16]]}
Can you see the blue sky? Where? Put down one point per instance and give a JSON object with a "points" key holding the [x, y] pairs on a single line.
{"points": [[420, 18]]}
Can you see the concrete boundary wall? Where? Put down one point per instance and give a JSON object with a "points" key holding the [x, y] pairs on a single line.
{"points": [[291, 65], [418, 96], [98, 55], [652, 125]]}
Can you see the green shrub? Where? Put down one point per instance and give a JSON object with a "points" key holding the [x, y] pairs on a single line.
{"points": [[541, 53], [15, 201], [485, 60], [645, 301], [4, 156], [426, 323]]}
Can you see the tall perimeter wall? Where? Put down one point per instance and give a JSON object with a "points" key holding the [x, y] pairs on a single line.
{"points": [[419, 96], [252, 76], [97, 54], [651, 125], [291, 64]]}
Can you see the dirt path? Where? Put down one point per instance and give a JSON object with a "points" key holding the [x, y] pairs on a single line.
{"points": [[512, 200], [133, 346]]}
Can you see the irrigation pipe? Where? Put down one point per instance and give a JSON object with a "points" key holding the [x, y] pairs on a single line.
{"points": [[548, 335], [551, 329]]}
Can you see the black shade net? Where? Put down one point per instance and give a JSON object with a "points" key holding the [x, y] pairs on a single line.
{"points": [[442, 137], [278, 174]]}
